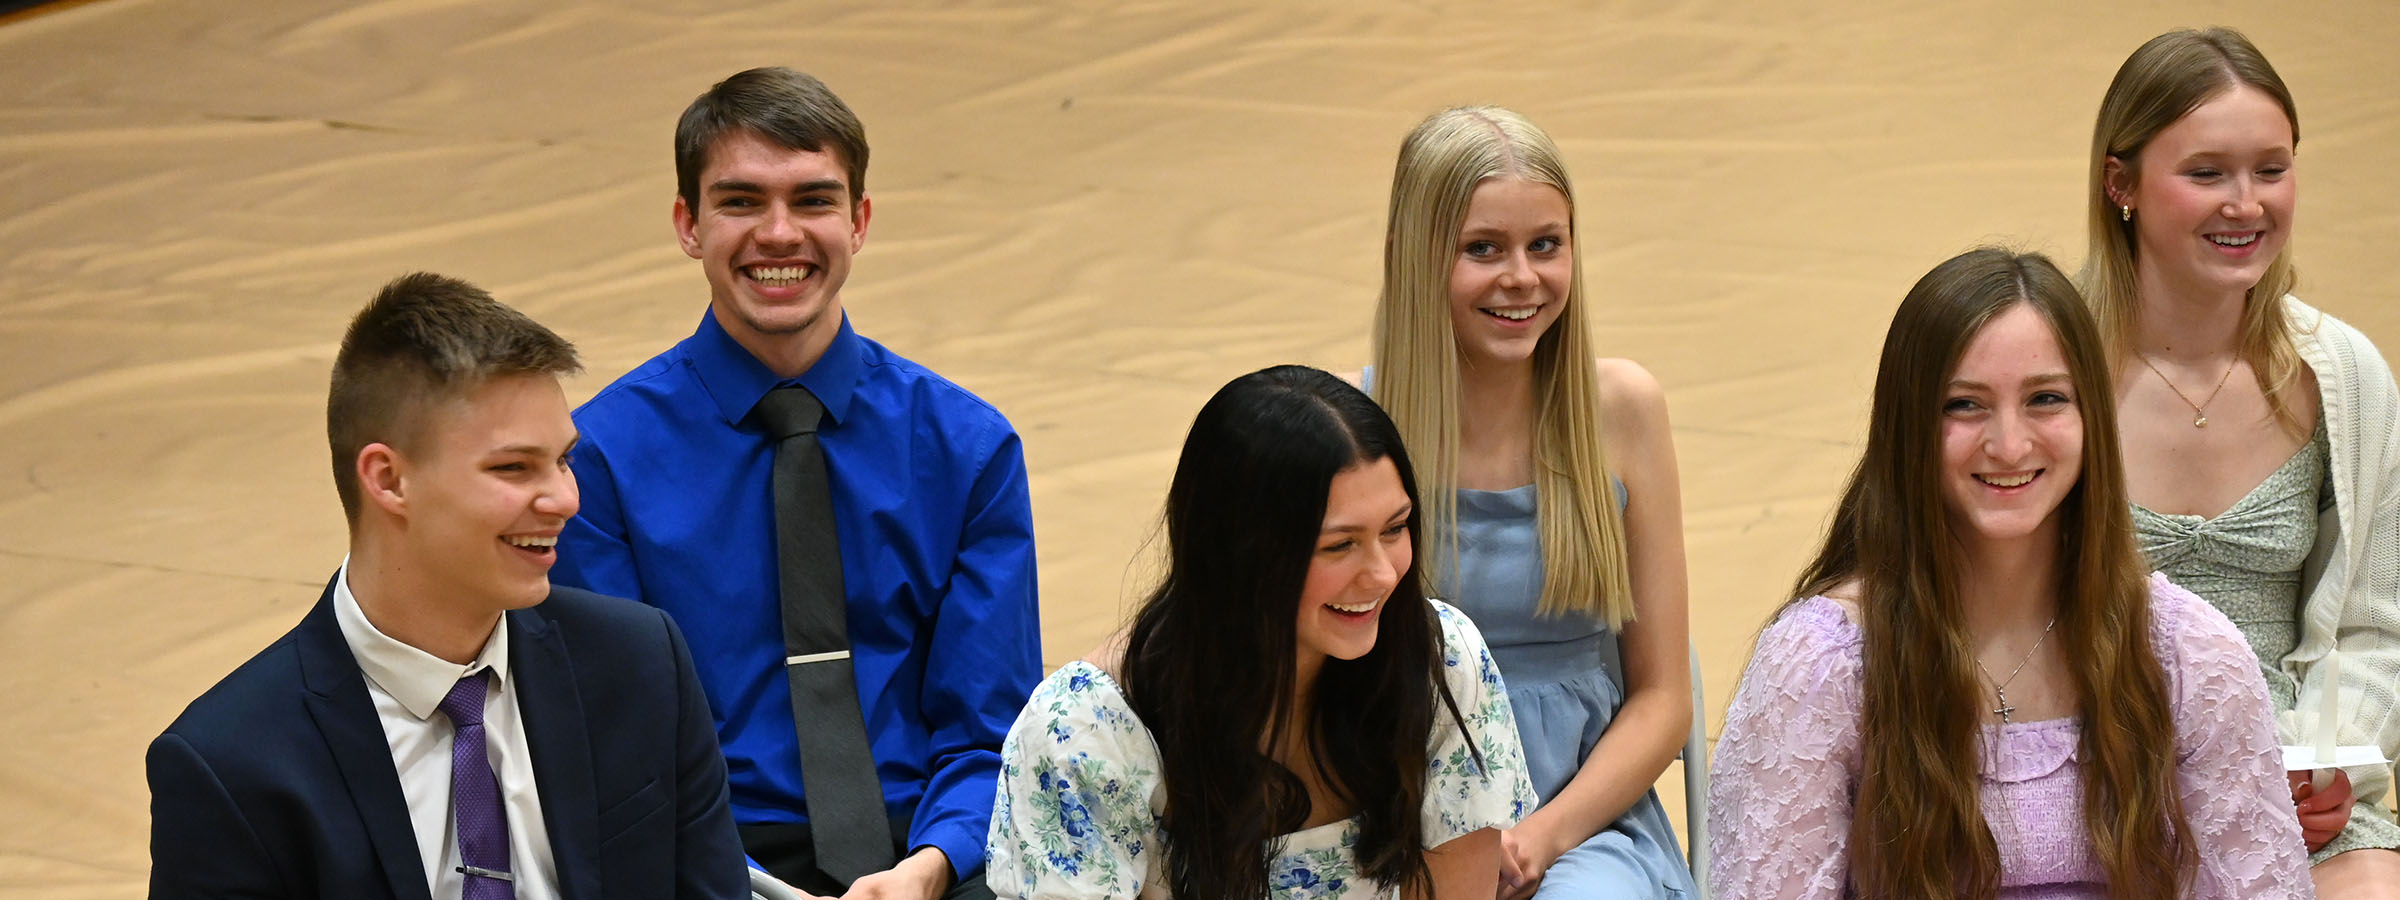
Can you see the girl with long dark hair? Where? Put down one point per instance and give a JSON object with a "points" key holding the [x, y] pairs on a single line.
{"points": [[1289, 717], [1979, 693]]}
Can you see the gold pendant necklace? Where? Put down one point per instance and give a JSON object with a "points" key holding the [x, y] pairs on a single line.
{"points": [[2200, 409]]}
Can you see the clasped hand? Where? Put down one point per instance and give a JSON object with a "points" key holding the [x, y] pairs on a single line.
{"points": [[1526, 853], [2323, 814]]}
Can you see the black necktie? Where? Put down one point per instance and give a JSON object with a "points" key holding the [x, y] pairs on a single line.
{"points": [[846, 818]]}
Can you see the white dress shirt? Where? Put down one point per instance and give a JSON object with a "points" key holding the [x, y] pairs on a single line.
{"points": [[408, 685]]}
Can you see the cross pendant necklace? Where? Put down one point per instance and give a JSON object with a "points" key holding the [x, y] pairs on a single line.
{"points": [[2000, 686]]}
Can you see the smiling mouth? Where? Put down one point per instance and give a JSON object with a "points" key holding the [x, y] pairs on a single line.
{"points": [[2020, 479], [779, 276], [1354, 610], [2227, 240], [1511, 313], [539, 545]]}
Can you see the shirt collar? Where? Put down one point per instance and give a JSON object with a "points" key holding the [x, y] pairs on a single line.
{"points": [[419, 680], [737, 381]]}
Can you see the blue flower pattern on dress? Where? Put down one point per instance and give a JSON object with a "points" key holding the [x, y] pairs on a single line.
{"points": [[1077, 813], [1318, 872]]}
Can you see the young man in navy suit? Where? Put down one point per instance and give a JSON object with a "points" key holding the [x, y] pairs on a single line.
{"points": [[444, 723]]}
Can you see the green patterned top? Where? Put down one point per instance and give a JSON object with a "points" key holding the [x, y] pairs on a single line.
{"points": [[2247, 562]]}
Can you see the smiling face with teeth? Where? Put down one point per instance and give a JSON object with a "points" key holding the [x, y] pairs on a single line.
{"points": [[1514, 269], [2212, 197], [2011, 429], [774, 233], [1362, 550], [481, 499]]}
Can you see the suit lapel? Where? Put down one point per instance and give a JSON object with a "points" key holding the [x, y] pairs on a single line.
{"points": [[335, 694], [561, 749]]}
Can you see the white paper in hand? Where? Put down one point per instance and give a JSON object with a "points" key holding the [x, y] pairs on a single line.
{"points": [[2302, 757]]}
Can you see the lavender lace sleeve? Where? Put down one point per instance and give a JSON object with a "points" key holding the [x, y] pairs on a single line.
{"points": [[2228, 760], [1786, 766]]}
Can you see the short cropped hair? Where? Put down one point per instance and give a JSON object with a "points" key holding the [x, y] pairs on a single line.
{"points": [[789, 107], [424, 339]]}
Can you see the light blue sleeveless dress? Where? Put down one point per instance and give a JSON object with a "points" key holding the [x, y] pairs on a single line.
{"points": [[1564, 684]]}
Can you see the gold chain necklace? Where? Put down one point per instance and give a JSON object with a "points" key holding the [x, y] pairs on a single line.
{"points": [[2000, 687], [2200, 409]]}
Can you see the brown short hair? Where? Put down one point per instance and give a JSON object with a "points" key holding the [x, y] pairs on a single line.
{"points": [[789, 107], [424, 339]]}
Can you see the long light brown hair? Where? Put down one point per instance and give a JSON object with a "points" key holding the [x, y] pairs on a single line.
{"points": [[1919, 829], [1417, 366], [2163, 81]]}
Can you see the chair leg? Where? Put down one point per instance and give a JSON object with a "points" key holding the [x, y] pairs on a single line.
{"points": [[1695, 784]]}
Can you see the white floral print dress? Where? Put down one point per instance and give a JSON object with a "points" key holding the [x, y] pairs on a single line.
{"points": [[1079, 801]]}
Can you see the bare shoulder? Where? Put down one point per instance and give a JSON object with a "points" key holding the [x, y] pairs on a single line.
{"points": [[1633, 423], [1109, 657], [1630, 394], [1846, 595]]}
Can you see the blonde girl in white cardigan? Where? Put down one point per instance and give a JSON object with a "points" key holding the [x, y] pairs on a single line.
{"points": [[2261, 436]]}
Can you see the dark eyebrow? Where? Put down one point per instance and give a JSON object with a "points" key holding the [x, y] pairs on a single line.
{"points": [[1961, 384], [1400, 516], [819, 186]]}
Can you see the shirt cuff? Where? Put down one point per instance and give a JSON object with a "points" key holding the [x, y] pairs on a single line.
{"points": [[962, 844]]}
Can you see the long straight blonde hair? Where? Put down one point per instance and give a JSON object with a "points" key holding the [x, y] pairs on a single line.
{"points": [[1417, 363], [2163, 81]]}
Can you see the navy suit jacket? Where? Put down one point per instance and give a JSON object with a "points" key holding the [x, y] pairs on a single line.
{"points": [[278, 782]]}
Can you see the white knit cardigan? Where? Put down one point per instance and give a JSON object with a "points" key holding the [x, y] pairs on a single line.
{"points": [[2352, 578]]}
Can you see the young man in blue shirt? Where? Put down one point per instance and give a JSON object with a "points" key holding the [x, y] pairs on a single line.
{"points": [[682, 466]]}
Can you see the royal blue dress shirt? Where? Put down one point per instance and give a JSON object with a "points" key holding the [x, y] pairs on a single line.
{"points": [[929, 498]]}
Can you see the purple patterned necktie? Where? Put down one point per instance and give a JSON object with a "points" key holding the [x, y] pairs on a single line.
{"points": [[475, 796]]}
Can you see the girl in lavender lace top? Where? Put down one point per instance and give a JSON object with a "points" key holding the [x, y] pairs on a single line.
{"points": [[1980, 693]]}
